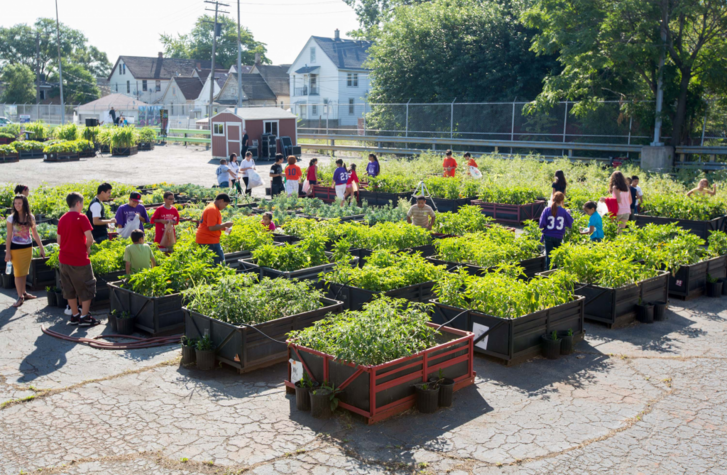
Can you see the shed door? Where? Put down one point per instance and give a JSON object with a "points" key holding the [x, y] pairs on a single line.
{"points": [[233, 138]]}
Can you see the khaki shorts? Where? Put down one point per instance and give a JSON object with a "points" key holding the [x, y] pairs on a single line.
{"points": [[623, 218], [78, 282]]}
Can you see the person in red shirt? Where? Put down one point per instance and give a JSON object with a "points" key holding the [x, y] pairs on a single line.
{"points": [[163, 215], [77, 279], [449, 165], [312, 175], [470, 161], [350, 188]]}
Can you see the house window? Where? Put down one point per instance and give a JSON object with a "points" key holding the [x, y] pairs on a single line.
{"points": [[42, 95], [128, 87], [313, 84], [218, 129], [314, 110], [117, 87], [143, 85], [352, 80], [350, 106], [158, 86], [325, 106], [271, 127], [122, 69], [312, 55]]}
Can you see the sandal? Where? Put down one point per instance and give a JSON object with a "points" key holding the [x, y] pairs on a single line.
{"points": [[27, 296], [20, 302]]}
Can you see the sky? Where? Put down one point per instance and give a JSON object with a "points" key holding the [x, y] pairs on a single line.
{"points": [[132, 27]]}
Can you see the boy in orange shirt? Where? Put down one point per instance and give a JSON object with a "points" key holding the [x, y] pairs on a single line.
{"points": [[211, 226], [449, 165]]}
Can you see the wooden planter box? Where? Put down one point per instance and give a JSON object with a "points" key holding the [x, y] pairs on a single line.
{"points": [[87, 154], [103, 293], [382, 391], [9, 158], [40, 274], [104, 148], [60, 157], [327, 194], [6, 141], [376, 198], [445, 205], [515, 340], [146, 146], [232, 259], [125, 152], [532, 266], [31, 154], [515, 214], [309, 273], [354, 298], [246, 349], [691, 281], [155, 315], [699, 228]]}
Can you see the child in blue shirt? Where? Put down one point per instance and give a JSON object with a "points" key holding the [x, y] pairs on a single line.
{"points": [[595, 223]]}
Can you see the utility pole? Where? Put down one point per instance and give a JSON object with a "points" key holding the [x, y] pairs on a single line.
{"points": [[239, 60], [37, 70], [60, 68], [214, 48], [660, 81]]}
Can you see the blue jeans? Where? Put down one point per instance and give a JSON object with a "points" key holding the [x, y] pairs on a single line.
{"points": [[217, 250], [550, 244], [224, 184]]}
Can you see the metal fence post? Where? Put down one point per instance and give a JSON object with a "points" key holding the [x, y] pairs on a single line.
{"points": [[364, 119], [512, 127], [451, 120], [704, 124], [407, 119], [565, 123]]}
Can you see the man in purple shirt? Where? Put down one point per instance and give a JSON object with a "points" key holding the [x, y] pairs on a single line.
{"points": [[126, 212], [553, 222], [340, 178]]}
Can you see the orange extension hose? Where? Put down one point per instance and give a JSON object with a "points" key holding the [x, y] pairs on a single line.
{"points": [[139, 342]]}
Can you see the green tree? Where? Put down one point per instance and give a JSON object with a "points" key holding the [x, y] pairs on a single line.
{"points": [[372, 13], [611, 49], [19, 84], [79, 85], [197, 44]]}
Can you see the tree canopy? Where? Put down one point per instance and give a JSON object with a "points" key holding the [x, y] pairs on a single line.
{"points": [[79, 85], [197, 44], [19, 84]]}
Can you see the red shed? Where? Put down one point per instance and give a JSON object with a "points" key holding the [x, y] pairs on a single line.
{"points": [[227, 129]]}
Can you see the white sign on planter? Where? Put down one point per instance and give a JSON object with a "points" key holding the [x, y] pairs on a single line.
{"points": [[478, 330]]}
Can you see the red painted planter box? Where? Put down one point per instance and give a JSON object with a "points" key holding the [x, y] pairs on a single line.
{"points": [[382, 391], [516, 214]]}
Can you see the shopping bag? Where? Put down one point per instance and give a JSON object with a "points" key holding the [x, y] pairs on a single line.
{"points": [[475, 173], [601, 208], [306, 186], [253, 179], [129, 227], [168, 238]]}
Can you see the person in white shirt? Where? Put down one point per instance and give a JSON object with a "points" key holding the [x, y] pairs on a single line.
{"points": [[245, 165], [235, 169], [224, 174]]}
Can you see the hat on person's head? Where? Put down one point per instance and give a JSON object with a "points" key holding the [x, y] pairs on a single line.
{"points": [[136, 196]]}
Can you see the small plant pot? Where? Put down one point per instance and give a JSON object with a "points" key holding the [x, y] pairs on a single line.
{"points": [[60, 301], [714, 289], [189, 355], [8, 281], [302, 396], [566, 345], [551, 348], [125, 326], [205, 359], [660, 311], [320, 403], [427, 399], [446, 392], [724, 286], [51, 299], [645, 313]]}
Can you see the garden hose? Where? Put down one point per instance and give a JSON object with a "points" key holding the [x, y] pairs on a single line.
{"points": [[139, 342]]}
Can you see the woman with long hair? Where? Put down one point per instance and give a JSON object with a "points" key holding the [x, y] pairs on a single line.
{"points": [[554, 221], [234, 167], [619, 190], [373, 168], [312, 175], [559, 183], [22, 190], [351, 189], [19, 245]]}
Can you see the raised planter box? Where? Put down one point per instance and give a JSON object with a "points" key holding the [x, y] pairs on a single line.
{"points": [[155, 315], [31, 154], [691, 281], [699, 228], [309, 273], [40, 274], [245, 348], [354, 298], [354, 217], [103, 293], [9, 158], [532, 266], [125, 152], [515, 214], [146, 146], [327, 194], [376, 198], [87, 154], [6, 141], [515, 340], [60, 157], [232, 259], [445, 205], [382, 391], [104, 148]]}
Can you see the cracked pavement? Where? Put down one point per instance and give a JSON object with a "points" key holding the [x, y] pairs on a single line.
{"points": [[643, 399]]}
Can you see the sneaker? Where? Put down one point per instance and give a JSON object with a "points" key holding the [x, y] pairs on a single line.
{"points": [[68, 311], [75, 319], [88, 321]]}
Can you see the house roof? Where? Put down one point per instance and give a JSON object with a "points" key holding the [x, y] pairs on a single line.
{"points": [[142, 67], [345, 54], [261, 113], [245, 69], [307, 69], [189, 87], [254, 87], [117, 101], [276, 76]]}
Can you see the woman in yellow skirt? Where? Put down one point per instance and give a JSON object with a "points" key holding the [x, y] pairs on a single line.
{"points": [[19, 245]]}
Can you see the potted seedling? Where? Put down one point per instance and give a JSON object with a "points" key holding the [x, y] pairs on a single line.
{"points": [[645, 312], [302, 392], [51, 294], [551, 345], [189, 347], [125, 323], [566, 345], [714, 287], [660, 311], [446, 388], [60, 301], [427, 397], [323, 401], [205, 353]]}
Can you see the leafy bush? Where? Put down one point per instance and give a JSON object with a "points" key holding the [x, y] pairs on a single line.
{"points": [[385, 330], [307, 253], [717, 243], [389, 213], [91, 134], [247, 234], [38, 129], [679, 206], [493, 247], [7, 150], [66, 132], [62, 147], [467, 219], [49, 248], [6, 135], [147, 135], [240, 298], [386, 270], [12, 131], [496, 192], [123, 137], [392, 236], [302, 228], [28, 146]]}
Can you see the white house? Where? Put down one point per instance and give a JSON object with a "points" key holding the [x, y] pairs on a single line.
{"points": [[147, 79], [201, 104], [328, 82]]}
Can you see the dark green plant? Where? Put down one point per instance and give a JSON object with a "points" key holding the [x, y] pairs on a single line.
{"points": [[205, 343], [554, 335]]}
